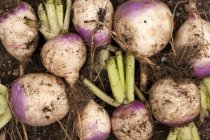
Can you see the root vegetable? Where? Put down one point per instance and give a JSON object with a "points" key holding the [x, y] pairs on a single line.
{"points": [[38, 99], [86, 16], [132, 121], [64, 56], [93, 123], [174, 103], [18, 31], [143, 26], [195, 34]]}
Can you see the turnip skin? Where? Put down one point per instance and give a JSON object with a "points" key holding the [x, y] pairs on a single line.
{"points": [[19, 39], [132, 122], [143, 26], [195, 33], [94, 122], [38, 99], [98, 10], [173, 103], [64, 55]]}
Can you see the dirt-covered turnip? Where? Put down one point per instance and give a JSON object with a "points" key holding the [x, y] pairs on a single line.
{"points": [[86, 14], [18, 31], [93, 123], [143, 26], [38, 99], [174, 103], [64, 55], [195, 34], [132, 121]]}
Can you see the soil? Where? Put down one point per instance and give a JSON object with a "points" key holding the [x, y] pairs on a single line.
{"points": [[9, 71]]}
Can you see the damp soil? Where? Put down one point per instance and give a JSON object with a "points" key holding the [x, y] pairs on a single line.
{"points": [[9, 71]]}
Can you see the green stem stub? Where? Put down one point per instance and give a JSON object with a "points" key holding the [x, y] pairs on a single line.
{"points": [[99, 93], [53, 20], [114, 79], [5, 113], [129, 72], [120, 67]]}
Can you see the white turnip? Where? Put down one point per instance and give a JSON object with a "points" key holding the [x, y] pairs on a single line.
{"points": [[174, 103], [18, 31], [64, 55], [38, 99], [143, 26], [93, 123], [195, 34], [86, 14]]}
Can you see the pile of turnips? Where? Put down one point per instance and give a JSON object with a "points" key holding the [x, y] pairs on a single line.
{"points": [[142, 29]]}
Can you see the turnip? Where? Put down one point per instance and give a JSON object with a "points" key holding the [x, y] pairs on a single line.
{"points": [[174, 103], [19, 32], [38, 99], [132, 121], [93, 122], [143, 26], [93, 17], [64, 55], [195, 34]]}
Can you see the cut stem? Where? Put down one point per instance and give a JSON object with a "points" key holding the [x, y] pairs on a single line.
{"points": [[59, 12], [120, 67], [114, 80], [194, 131], [67, 16], [100, 94], [173, 134], [43, 16], [52, 16], [129, 72]]}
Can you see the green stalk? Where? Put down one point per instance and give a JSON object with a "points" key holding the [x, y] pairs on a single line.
{"points": [[3, 89], [173, 134], [204, 102], [66, 24], [3, 104], [111, 48], [114, 80], [207, 83], [59, 11], [120, 67], [194, 131], [46, 33], [52, 16], [103, 55], [129, 72], [43, 16], [185, 133], [5, 117], [100, 94]]}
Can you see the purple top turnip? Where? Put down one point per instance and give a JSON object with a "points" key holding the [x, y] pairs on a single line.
{"points": [[93, 123], [38, 99], [86, 15], [18, 31], [132, 121], [174, 103], [64, 55], [195, 33], [143, 26]]}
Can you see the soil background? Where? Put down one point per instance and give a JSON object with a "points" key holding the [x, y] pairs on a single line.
{"points": [[9, 71]]}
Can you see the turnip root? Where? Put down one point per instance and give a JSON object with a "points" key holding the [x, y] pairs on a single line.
{"points": [[195, 34], [18, 31], [132, 122], [174, 103], [87, 14], [64, 55], [38, 99], [143, 26], [93, 123]]}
